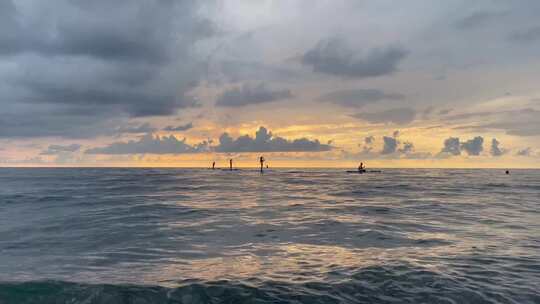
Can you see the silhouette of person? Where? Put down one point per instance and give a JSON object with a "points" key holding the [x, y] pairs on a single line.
{"points": [[361, 167], [507, 172], [261, 160], [230, 164], [213, 165]]}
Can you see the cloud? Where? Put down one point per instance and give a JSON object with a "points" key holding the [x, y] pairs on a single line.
{"points": [[334, 57], [90, 64], [48, 123], [463, 116], [445, 111], [520, 122], [408, 148], [136, 128], [238, 70], [76, 97], [358, 97], [390, 145], [518, 128], [396, 116], [452, 146], [478, 19], [524, 152], [150, 144], [526, 35], [369, 140], [495, 149], [367, 145], [103, 30], [179, 128], [28, 160], [265, 141], [392, 148], [427, 112], [250, 95], [58, 149], [473, 146]]}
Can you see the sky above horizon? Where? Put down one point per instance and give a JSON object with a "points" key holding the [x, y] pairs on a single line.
{"points": [[305, 83]]}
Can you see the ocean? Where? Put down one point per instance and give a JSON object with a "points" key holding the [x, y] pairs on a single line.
{"points": [[104, 235]]}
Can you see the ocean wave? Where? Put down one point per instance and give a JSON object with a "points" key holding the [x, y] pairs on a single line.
{"points": [[380, 284]]}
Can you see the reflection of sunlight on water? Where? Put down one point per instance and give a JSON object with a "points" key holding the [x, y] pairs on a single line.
{"points": [[297, 262], [284, 262], [212, 269]]}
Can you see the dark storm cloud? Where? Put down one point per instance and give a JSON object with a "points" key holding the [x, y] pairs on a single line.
{"points": [[335, 57], [9, 28], [150, 144], [104, 59], [452, 146], [496, 150], [397, 116], [135, 103], [109, 31], [179, 128], [56, 124], [265, 141], [58, 149], [358, 97], [250, 95], [390, 145]]}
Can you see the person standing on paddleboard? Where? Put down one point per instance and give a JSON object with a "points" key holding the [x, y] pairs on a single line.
{"points": [[261, 160], [230, 164]]}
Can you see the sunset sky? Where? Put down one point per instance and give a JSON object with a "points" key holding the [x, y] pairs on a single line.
{"points": [[303, 82]]}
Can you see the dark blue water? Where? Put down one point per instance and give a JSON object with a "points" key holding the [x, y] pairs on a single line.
{"points": [[288, 236]]}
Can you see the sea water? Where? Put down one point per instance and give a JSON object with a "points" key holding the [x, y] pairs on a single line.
{"points": [[285, 236]]}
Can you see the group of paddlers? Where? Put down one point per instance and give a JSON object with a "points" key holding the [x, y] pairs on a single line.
{"points": [[261, 161], [361, 167]]}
